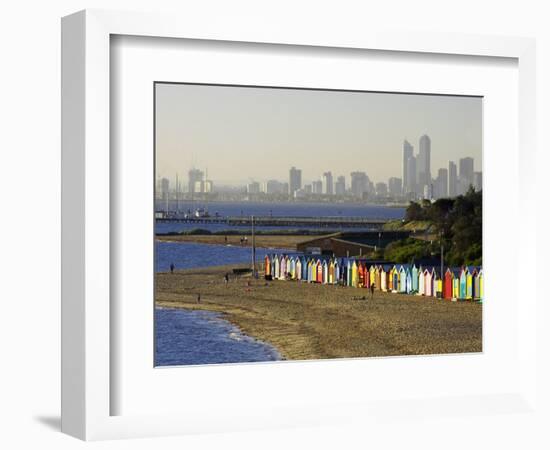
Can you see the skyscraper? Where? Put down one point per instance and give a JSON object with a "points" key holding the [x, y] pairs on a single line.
{"points": [[453, 179], [195, 175], [407, 154], [328, 183], [359, 183], [411, 176], [442, 183], [164, 188], [423, 163], [395, 186], [295, 180], [317, 187], [272, 187], [253, 187], [478, 181], [466, 166], [340, 185], [381, 189]]}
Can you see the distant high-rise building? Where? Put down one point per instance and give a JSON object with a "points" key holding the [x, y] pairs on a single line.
{"points": [[359, 183], [428, 191], [466, 166], [272, 187], [194, 176], [164, 188], [340, 186], [411, 176], [203, 187], [285, 188], [295, 180], [423, 163], [381, 189], [478, 181], [407, 154], [453, 179], [395, 186], [328, 183], [308, 189], [253, 187], [317, 187], [442, 183]]}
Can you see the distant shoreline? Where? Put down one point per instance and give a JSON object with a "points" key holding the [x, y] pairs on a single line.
{"points": [[313, 321], [262, 241]]}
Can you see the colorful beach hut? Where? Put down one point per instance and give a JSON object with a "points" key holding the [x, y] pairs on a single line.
{"points": [[448, 285], [276, 267], [319, 274], [421, 282], [354, 274], [372, 276], [414, 278], [267, 265], [382, 279], [479, 282], [325, 272], [469, 284], [463, 283], [402, 286], [436, 283], [292, 267], [428, 282]]}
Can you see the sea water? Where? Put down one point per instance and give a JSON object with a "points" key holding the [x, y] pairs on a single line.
{"points": [[185, 337]]}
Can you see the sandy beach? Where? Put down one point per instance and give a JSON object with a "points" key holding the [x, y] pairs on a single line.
{"points": [[313, 321], [263, 241]]}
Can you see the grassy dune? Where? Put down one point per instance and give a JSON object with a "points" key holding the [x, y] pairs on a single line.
{"points": [[312, 321]]}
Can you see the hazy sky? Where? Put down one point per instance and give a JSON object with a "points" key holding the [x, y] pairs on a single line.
{"points": [[241, 134]]}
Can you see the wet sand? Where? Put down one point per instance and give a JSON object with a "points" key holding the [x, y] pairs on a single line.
{"points": [[313, 321]]}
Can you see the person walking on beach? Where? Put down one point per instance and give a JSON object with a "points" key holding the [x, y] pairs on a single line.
{"points": [[172, 267], [226, 278], [372, 287], [199, 298]]}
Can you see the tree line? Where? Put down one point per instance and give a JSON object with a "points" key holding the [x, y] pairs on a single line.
{"points": [[455, 222]]}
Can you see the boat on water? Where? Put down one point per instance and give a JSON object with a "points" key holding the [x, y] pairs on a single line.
{"points": [[200, 213]]}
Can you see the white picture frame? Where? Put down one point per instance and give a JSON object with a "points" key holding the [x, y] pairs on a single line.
{"points": [[87, 356]]}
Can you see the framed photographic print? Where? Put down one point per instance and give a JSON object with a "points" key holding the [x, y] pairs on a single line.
{"points": [[267, 229]]}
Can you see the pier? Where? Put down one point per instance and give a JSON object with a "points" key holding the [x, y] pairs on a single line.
{"points": [[273, 221]]}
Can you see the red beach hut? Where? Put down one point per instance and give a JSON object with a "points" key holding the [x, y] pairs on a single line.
{"points": [[448, 285]]}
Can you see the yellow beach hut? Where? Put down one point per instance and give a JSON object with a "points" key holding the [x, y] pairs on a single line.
{"points": [[469, 285], [354, 274]]}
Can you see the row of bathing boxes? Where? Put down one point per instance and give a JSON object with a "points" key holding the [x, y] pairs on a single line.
{"points": [[462, 283]]}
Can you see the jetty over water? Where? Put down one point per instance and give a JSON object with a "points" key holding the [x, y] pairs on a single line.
{"points": [[273, 221]]}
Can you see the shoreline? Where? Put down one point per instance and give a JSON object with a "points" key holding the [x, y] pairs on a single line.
{"points": [[262, 241], [306, 321], [234, 332]]}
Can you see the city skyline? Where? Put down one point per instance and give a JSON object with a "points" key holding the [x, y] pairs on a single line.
{"points": [[448, 183], [241, 135]]}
